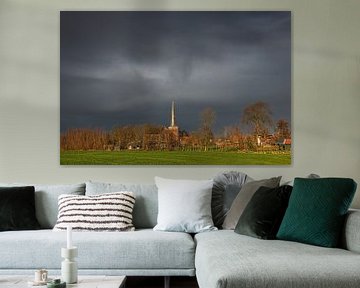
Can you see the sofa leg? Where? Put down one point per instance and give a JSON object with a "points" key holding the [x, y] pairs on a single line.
{"points": [[167, 282]]}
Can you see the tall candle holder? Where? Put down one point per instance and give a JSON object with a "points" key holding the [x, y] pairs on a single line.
{"points": [[69, 271]]}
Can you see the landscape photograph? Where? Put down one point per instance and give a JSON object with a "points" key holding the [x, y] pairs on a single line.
{"points": [[175, 88]]}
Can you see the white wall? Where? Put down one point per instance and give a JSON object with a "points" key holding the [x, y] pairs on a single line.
{"points": [[325, 95]]}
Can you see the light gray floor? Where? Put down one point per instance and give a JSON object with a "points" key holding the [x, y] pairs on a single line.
{"points": [[84, 282]]}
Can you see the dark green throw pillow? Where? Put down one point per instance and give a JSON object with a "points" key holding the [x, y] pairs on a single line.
{"points": [[316, 211], [17, 208], [263, 214]]}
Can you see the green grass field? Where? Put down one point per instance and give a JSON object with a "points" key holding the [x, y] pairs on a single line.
{"points": [[172, 158]]}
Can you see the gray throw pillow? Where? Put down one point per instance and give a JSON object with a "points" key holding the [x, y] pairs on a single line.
{"points": [[46, 200], [226, 187], [242, 199], [184, 205]]}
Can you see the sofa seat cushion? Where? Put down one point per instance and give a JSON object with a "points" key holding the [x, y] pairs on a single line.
{"points": [[226, 259], [142, 249]]}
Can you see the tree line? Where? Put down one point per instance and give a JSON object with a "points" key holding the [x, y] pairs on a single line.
{"points": [[257, 117]]}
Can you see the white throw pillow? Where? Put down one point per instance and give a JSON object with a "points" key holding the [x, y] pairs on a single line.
{"points": [[184, 205], [105, 212]]}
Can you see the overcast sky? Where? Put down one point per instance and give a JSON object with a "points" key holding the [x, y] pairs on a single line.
{"points": [[121, 68]]}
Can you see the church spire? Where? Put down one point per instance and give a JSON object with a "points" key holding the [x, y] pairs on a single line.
{"points": [[173, 128], [173, 114]]}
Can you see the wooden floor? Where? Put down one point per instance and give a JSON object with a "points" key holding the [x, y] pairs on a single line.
{"points": [[158, 282]]}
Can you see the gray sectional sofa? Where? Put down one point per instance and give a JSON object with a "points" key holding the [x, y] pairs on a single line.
{"points": [[221, 259]]}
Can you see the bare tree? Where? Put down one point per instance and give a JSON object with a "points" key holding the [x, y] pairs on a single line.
{"points": [[258, 117], [234, 136], [208, 117], [282, 129]]}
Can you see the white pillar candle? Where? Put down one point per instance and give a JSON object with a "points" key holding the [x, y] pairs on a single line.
{"points": [[69, 237]]}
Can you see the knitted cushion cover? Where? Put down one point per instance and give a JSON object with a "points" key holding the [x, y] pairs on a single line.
{"points": [[105, 212], [316, 211]]}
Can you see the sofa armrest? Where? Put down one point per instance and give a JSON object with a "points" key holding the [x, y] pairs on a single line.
{"points": [[351, 233]]}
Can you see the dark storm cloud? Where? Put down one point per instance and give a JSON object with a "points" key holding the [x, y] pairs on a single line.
{"points": [[121, 68]]}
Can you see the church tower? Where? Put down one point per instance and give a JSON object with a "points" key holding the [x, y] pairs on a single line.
{"points": [[173, 127], [173, 114]]}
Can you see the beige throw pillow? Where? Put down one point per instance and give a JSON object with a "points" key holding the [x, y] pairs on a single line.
{"points": [[243, 198]]}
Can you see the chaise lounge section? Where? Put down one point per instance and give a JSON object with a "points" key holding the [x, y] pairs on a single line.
{"points": [[225, 259]]}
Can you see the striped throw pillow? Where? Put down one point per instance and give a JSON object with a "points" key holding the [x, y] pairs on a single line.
{"points": [[105, 212]]}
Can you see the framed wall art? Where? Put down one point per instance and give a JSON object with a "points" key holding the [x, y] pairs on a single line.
{"points": [[175, 88]]}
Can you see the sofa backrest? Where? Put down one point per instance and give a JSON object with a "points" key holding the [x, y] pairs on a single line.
{"points": [[351, 237], [146, 203], [46, 200]]}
